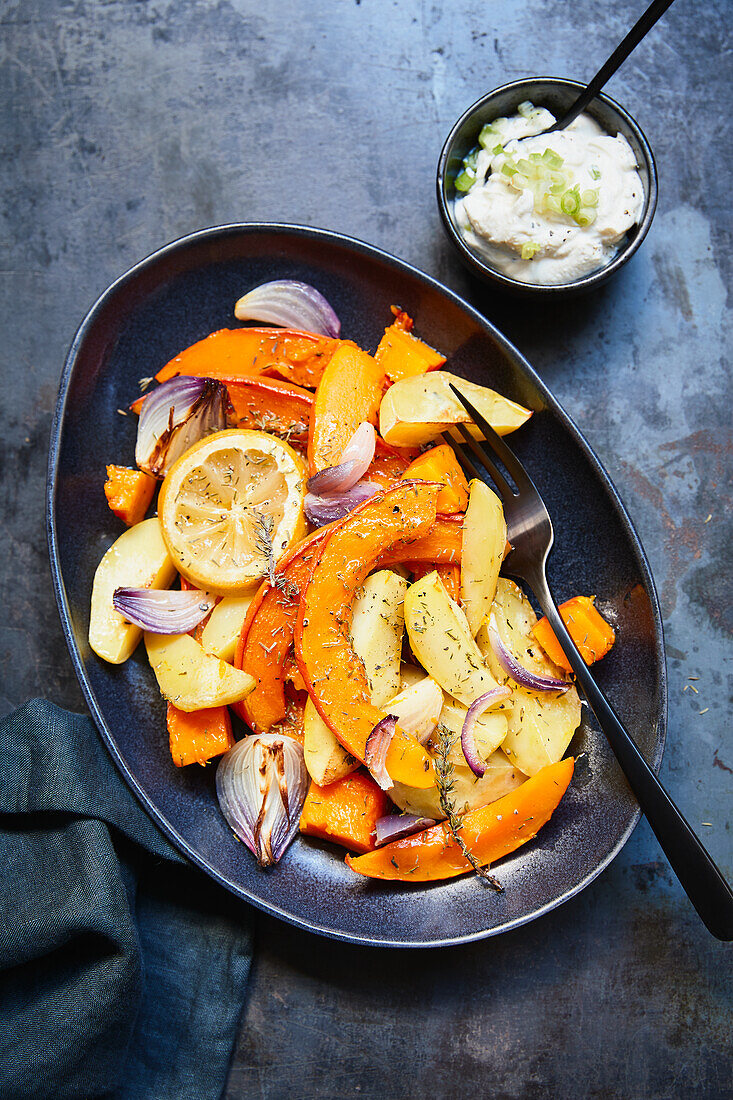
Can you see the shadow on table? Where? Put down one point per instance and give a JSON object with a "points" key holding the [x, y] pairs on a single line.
{"points": [[549, 333]]}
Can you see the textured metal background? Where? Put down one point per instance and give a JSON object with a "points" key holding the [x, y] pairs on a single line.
{"points": [[126, 124]]}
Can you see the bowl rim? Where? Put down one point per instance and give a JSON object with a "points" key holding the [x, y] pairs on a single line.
{"points": [[593, 278]]}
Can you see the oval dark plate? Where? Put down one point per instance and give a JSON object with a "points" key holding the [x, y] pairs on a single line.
{"points": [[177, 296]]}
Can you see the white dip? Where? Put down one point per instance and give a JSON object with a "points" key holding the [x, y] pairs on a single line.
{"points": [[569, 212]]}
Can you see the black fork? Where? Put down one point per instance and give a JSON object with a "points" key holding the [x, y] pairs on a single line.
{"points": [[531, 536]]}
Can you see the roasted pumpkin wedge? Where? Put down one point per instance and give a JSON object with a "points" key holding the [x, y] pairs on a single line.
{"points": [[335, 676], [489, 833], [267, 633], [402, 354], [345, 812], [267, 636], [270, 405], [233, 352], [442, 545], [348, 394]]}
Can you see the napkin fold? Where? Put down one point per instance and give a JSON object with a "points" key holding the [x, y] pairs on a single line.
{"points": [[123, 968]]}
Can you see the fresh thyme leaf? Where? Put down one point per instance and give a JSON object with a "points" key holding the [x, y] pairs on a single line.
{"points": [[446, 783]]}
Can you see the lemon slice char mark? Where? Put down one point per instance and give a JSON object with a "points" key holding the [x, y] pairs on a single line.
{"points": [[227, 500]]}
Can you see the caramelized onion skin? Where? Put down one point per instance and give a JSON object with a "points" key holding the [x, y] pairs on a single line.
{"points": [[175, 416], [261, 785]]}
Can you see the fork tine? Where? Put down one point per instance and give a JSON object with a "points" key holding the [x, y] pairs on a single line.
{"points": [[497, 444], [497, 477], [463, 458]]}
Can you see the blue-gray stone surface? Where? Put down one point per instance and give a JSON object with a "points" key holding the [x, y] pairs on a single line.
{"points": [[125, 124]]}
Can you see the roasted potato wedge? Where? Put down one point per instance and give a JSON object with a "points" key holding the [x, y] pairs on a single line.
{"points": [[138, 559], [484, 539], [221, 633], [418, 409], [377, 626], [541, 724], [442, 641], [325, 758], [192, 679]]}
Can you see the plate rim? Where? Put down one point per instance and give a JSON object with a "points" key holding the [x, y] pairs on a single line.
{"points": [[230, 229]]}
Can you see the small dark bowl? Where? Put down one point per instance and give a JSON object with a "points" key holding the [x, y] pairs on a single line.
{"points": [[556, 95]]}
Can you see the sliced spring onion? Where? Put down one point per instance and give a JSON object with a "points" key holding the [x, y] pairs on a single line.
{"points": [[497, 150], [585, 216], [488, 134], [526, 108], [529, 249], [589, 197], [570, 203], [465, 180], [551, 203], [467, 177], [552, 159], [595, 173]]}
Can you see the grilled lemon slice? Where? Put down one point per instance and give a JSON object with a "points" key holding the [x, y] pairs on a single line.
{"points": [[230, 505]]}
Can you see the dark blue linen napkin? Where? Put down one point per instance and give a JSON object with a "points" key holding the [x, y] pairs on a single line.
{"points": [[123, 968]]}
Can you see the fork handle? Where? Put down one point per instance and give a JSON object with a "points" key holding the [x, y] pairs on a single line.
{"points": [[700, 878]]}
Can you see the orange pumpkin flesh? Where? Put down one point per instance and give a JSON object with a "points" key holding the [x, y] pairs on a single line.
{"points": [[334, 674], [489, 833]]}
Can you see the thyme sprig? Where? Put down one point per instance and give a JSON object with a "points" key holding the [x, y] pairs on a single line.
{"points": [[263, 528], [446, 783], [289, 590]]}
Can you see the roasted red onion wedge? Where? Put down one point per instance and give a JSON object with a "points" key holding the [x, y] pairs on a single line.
{"points": [[291, 304], [322, 510], [354, 463], [468, 740], [377, 746], [261, 785], [397, 826], [163, 612], [521, 675], [174, 417], [334, 479]]}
